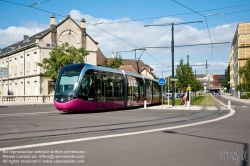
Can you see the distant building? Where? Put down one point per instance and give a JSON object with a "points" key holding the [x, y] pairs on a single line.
{"points": [[240, 52], [131, 65], [210, 80], [21, 58]]}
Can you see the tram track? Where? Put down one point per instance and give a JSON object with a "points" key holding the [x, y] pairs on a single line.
{"points": [[115, 127]]}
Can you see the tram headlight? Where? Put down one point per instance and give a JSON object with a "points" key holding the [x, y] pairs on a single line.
{"points": [[70, 98]]}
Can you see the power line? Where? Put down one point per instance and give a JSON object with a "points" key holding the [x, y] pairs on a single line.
{"points": [[150, 18], [64, 17], [79, 21], [194, 34], [236, 12], [206, 24]]}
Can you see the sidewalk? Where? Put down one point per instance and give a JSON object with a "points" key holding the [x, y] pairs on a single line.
{"points": [[230, 97], [176, 107]]}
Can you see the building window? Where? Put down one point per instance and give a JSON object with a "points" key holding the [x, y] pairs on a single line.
{"points": [[28, 66], [35, 62], [10, 67], [28, 63], [21, 68], [15, 65]]}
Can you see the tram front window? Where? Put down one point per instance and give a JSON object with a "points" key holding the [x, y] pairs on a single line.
{"points": [[67, 83]]}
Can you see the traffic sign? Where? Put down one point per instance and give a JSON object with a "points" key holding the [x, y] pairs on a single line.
{"points": [[188, 88], [161, 81], [173, 79]]}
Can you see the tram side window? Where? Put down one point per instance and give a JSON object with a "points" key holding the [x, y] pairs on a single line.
{"points": [[109, 86], [86, 83], [132, 88], [156, 90], [98, 87], [118, 86], [140, 89], [148, 89]]}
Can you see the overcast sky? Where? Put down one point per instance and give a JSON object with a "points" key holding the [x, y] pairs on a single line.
{"points": [[119, 26]]}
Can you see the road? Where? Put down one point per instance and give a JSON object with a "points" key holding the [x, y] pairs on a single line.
{"points": [[39, 133]]}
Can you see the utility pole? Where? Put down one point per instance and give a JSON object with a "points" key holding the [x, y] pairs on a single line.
{"points": [[172, 51]]}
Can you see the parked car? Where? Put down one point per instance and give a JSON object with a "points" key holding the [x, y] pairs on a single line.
{"points": [[179, 95], [168, 94]]}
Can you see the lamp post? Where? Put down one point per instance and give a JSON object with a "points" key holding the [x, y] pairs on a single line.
{"points": [[172, 50]]}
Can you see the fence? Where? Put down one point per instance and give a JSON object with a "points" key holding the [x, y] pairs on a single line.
{"points": [[28, 99]]}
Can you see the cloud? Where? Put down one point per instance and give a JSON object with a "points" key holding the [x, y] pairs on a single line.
{"points": [[14, 34], [113, 36]]}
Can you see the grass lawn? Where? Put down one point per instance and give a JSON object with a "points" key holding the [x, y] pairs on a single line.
{"points": [[197, 101]]}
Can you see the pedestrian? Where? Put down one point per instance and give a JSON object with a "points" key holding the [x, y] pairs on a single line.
{"points": [[184, 98]]}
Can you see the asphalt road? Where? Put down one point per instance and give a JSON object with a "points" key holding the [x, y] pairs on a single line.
{"points": [[33, 134]]}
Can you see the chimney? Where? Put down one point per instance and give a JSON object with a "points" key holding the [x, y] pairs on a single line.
{"points": [[52, 20], [83, 27], [25, 37], [83, 23], [53, 29]]}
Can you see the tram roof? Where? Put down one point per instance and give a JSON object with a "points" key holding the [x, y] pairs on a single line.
{"points": [[106, 69]]}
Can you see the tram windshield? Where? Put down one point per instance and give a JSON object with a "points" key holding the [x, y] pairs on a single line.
{"points": [[67, 81]]}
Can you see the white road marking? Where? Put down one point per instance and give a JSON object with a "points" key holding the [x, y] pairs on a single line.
{"points": [[33, 113], [243, 106], [232, 112]]}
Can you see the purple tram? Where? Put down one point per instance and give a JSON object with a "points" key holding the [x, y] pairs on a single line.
{"points": [[85, 87]]}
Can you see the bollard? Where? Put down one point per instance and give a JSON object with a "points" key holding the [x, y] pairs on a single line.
{"points": [[145, 104], [229, 104], [188, 105]]}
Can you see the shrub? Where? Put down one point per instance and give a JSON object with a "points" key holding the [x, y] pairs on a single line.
{"points": [[246, 95]]}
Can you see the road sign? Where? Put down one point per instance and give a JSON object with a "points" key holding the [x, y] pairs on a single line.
{"points": [[161, 81], [173, 79], [4, 72], [188, 88]]}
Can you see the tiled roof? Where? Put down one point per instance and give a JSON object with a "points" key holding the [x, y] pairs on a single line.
{"points": [[128, 68], [32, 39], [133, 62], [23, 43], [100, 57]]}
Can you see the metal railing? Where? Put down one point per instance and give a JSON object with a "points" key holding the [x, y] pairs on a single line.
{"points": [[27, 99]]}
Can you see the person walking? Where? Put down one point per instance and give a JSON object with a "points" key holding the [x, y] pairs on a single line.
{"points": [[184, 98]]}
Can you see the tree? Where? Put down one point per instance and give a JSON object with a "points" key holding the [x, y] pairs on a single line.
{"points": [[244, 73], [62, 55], [114, 62], [225, 82], [185, 77]]}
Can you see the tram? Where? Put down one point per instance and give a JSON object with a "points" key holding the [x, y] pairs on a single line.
{"points": [[85, 87]]}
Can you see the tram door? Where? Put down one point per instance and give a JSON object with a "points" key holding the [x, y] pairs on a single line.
{"points": [[132, 91], [99, 92]]}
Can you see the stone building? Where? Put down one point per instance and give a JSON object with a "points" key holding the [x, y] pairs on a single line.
{"points": [[25, 77]]}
